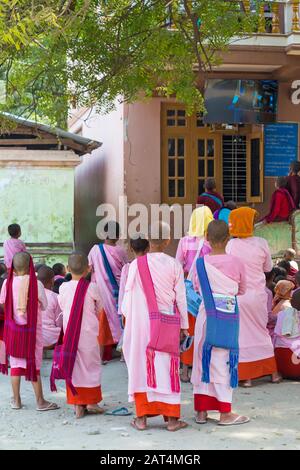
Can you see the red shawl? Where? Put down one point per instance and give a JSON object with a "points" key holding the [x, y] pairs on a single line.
{"points": [[280, 198], [20, 340], [65, 354]]}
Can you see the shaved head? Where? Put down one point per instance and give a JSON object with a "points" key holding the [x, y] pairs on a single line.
{"points": [[217, 232], [21, 262], [78, 263], [45, 275]]}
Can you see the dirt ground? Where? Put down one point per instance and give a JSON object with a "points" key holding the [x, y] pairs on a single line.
{"points": [[274, 412]]}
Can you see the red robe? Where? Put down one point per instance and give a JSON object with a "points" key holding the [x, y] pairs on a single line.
{"points": [[293, 187], [281, 207]]}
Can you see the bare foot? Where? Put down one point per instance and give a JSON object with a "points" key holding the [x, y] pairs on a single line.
{"points": [[184, 376], [276, 378], [44, 405], [79, 411], [230, 419], [246, 383], [175, 425], [94, 410], [201, 417], [140, 424]]}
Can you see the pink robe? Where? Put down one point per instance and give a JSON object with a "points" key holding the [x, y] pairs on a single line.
{"points": [[87, 367], [187, 250], [52, 319], [226, 275], [281, 341], [117, 257], [168, 280], [17, 363], [255, 341], [10, 248], [123, 280]]}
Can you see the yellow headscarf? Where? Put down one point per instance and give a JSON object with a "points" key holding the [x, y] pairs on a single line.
{"points": [[200, 219], [241, 222]]}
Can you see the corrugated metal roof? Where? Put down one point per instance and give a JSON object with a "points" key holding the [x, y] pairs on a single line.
{"points": [[88, 143]]}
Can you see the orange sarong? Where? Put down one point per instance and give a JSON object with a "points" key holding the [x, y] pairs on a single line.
{"points": [[256, 369], [145, 408], [86, 396], [105, 337], [187, 357]]}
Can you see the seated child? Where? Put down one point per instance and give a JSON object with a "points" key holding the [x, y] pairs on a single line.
{"points": [[290, 256], [214, 376], [80, 297], [287, 266], [24, 299], [13, 245], [59, 271], [282, 204], [287, 339], [52, 316]]}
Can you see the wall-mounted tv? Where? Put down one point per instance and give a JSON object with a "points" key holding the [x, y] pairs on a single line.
{"points": [[240, 101]]}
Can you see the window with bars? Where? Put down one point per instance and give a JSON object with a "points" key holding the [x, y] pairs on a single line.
{"points": [[234, 150], [193, 151]]}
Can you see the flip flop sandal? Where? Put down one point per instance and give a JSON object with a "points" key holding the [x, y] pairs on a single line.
{"points": [[123, 411], [182, 425], [14, 406], [95, 411], [201, 422], [50, 407], [238, 420], [135, 426]]}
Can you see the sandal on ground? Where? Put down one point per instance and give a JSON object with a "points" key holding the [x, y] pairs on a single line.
{"points": [[49, 407], [123, 411], [181, 425], [94, 411], [246, 384], [236, 421], [136, 426], [14, 406], [277, 381]]}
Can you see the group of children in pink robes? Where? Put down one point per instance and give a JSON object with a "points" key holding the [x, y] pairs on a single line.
{"points": [[115, 310]]}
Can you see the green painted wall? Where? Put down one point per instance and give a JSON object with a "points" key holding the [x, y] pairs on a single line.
{"points": [[41, 200]]}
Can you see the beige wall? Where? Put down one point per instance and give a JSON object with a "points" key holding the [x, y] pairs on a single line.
{"points": [[100, 177]]}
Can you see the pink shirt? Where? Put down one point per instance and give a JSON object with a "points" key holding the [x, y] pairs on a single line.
{"points": [[52, 319], [229, 265], [22, 320], [187, 250], [87, 367], [10, 248]]}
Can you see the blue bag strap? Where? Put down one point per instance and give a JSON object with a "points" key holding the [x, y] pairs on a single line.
{"points": [[215, 198], [108, 269], [205, 285]]}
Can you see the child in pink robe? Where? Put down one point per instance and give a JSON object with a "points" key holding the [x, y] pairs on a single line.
{"points": [[18, 365], [190, 247], [226, 276], [110, 328], [256, 348], [86, 375], [52, 316], [168, 280], [13, 245]]}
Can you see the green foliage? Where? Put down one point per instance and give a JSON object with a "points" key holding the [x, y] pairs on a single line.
{"points": [[93, 52]]}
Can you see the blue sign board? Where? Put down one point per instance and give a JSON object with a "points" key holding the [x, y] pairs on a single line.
{"points": [[281, 147]]}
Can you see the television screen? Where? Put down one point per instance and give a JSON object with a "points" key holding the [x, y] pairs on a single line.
{"points": [[240, 101]]}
